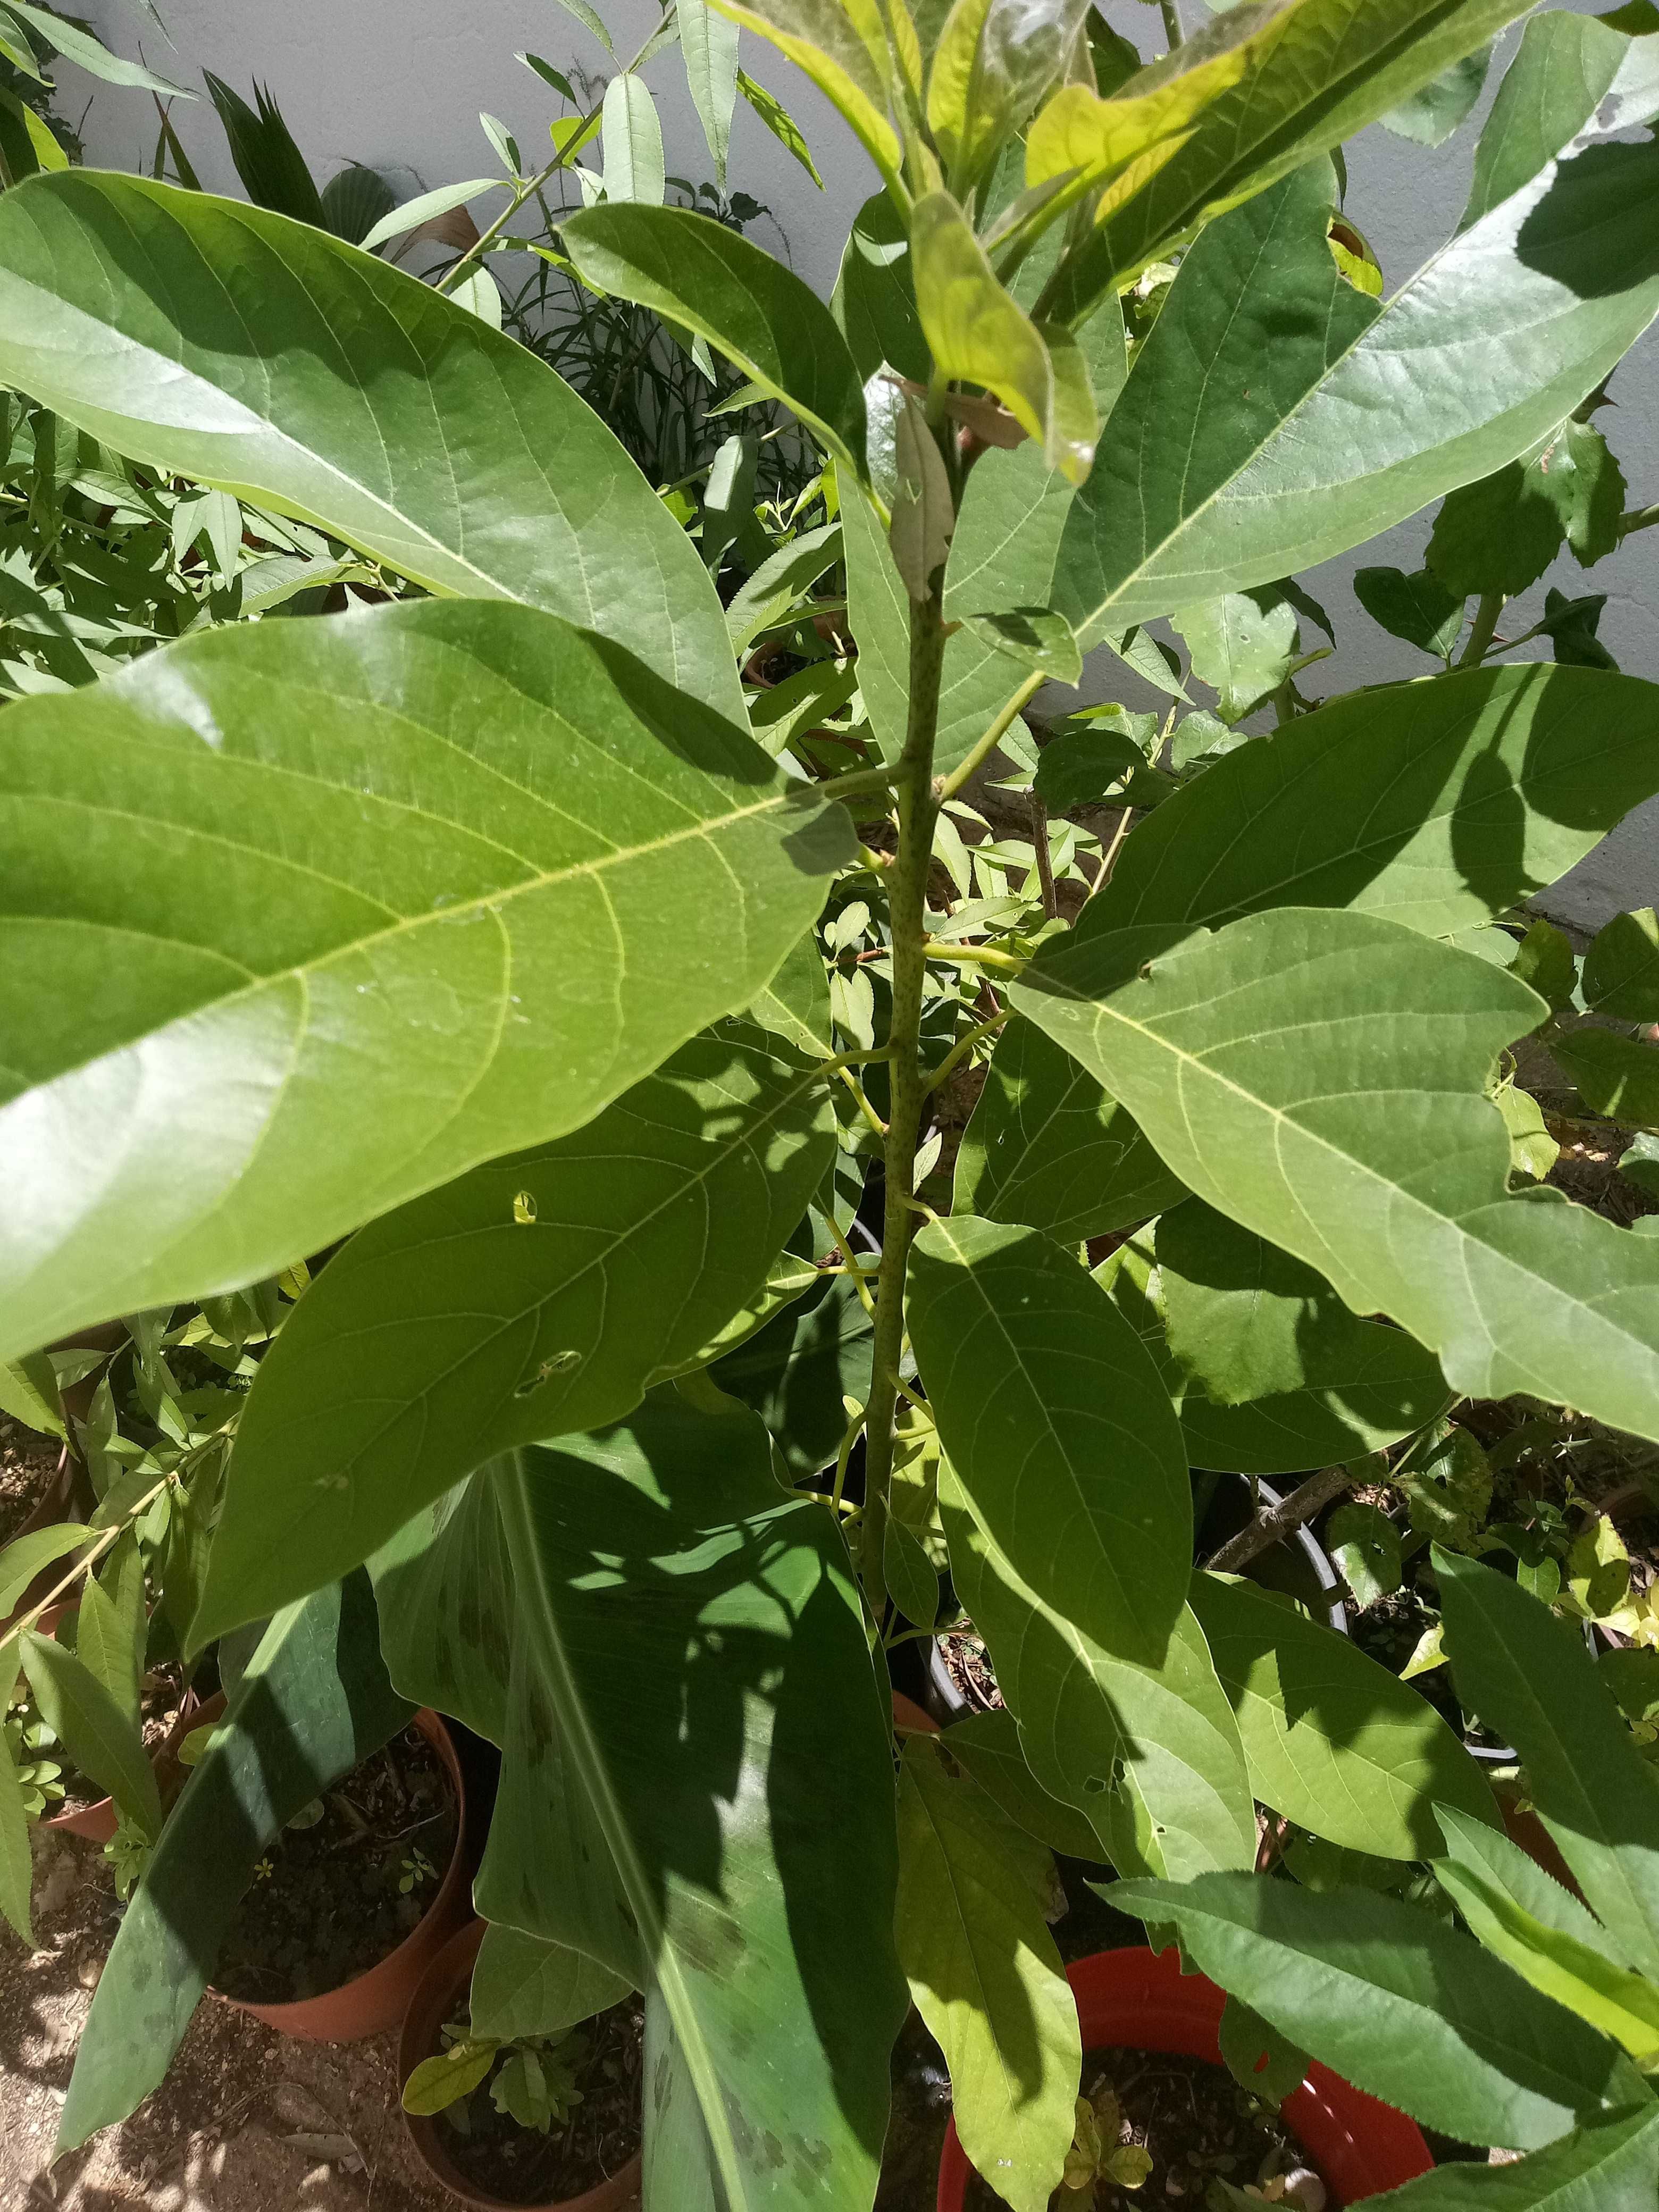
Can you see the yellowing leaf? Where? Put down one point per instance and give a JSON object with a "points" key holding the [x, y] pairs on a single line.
{"points": [[842, 50], [977, 332]]}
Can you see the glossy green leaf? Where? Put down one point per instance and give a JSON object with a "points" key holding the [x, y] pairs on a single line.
{"points": [[426, 207], [1150, 1756], [1330, 440], [989, 1745], [522, 1986], [1417, 608], [312, 1702], [632, 141], [1046, 1146], [1058, 1427], [1364, 1548], [874, 301], [1242, 645], [977, 332], [1372, 1150], [1334, 1742], [842, 48], [986, 1978], [68, 39], [1528, 1675], [95, 1731], [710, 45], [1613, 2167], [28, 1392], [111, 1625], [339, 1035], [539, 1294], [1576, 1973], [1304, 77], [689, 1655], [1397, 2003], [1615, 1075], [1575, 77], [1621, 968], [759, 314], [24, 1557], [780, 122], [1440, 803], [1362, 1386], [204, 336]]}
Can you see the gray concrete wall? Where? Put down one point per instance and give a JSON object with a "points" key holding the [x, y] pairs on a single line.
{"points": [[400, 83]]}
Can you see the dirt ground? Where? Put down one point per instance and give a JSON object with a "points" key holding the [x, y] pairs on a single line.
{"points": [[246, 2121]]}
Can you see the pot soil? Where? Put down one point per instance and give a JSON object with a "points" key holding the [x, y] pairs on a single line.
{"points": [[1135, 2008], [591, 2165], [328, 1946], [38, 1488]]}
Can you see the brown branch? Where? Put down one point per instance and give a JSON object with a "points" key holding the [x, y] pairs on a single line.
{"points": [[1280, 1520]]}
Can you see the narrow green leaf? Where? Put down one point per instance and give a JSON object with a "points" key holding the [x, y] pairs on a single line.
{"points": [[1150, 1755], [590, 20], [111, 1625], [992, 62], [1058, 1428], [633, 143], [312, 1702], [759, 314], [780, 122], [522, 1986], [1528, 1675], [104, 1743], [908, 1573], [1046, 1146], [843, 50], [987, 1978], [710, 42], [1508, 329], [28, 1392], [16, 1861], [989, 1745], [1372, 1150], [1397, 2003], [1440, 804], [1334, 1742], [1613, 2167], [341, 1034], [78, 46], [23, 1559], [1621, 968], [539, 1294], [425, 207], [203, 336]]}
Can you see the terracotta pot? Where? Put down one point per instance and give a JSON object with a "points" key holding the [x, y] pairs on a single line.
{"points": [[908, 1714], [376, 2001], [97, 1821], [434, 2002], [1131, 2001]]}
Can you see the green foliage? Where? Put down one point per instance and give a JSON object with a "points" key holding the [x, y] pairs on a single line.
{"points": [[574, 948]]}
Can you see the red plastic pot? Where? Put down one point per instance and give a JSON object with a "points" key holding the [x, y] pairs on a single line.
{"points": [[1133, 2000], [437, 2000], [378, 1999]]}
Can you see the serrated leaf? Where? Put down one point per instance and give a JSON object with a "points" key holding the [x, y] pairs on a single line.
{"points": [[1058, 1428], [1334, 1742], [987, 1979], [1507, 329], [442, 447], [1528, 1675], [1046, 1146], [406, 1016], [539, 1295], [1372, 1150], [1396, 2002], [759, 314]]}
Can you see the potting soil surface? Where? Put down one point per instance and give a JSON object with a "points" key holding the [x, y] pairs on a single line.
{"points": [[329, 1902], [525, 2166], [27, 1468], [1192, 2119], [968, 1663]]}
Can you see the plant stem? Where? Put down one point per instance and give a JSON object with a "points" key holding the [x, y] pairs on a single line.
{"points": [[1172, 23], [963, 1045], [1045, 865], [974, 956], [1639, 517], [906, 891], [1486, 621], [1266, 1530], [986, 746]]}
